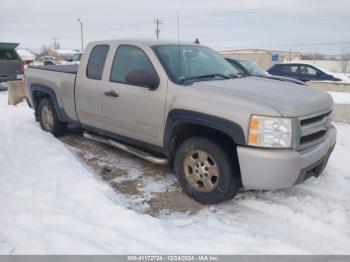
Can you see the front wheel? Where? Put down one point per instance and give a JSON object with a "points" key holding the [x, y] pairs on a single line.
{"points": [[206, 171], [48, 119]]}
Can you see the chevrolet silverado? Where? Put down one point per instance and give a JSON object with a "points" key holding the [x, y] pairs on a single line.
{"points": [[182, 105]]}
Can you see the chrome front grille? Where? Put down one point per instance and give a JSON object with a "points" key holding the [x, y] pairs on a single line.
{"points": [[313, 128]]}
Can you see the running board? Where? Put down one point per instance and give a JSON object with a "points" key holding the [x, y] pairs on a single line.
{"points": [[128, 149]]}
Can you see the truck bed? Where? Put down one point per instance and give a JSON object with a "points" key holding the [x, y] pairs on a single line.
{"points": [[60, 79], [69, 69]]}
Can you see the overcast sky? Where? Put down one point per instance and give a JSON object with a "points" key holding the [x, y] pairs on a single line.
{"points": [[221, 24]]}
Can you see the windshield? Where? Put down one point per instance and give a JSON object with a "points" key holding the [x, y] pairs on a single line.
{"points": [[252, 68], [188, 63]]}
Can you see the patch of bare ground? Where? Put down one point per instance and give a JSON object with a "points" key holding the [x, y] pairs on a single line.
{"points": [[138, 180]]}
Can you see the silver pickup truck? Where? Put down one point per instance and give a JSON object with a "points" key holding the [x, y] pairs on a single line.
{"points": [[183, 105]]}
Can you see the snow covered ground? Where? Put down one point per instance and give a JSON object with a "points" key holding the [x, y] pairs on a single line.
{"points": [[51, 203], [340, 97], [3, 86], [344, 77]]}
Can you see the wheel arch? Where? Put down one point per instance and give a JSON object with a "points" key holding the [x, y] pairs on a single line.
{"points": [[39, 92], [193, 123]]}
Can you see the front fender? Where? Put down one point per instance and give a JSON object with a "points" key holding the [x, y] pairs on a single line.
{"points": [[176, 116]]}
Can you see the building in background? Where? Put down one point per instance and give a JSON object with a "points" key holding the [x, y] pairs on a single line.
{"points": [[57, 54], [336, 66], [63, 54], [264, 58], [26, 56]]}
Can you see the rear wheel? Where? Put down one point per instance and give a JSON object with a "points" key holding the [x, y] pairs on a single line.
{"points": [[206, 171], [48, 118]]}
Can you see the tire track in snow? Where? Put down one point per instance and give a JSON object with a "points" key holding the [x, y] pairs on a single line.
{"points": [[319, 193], [308, 209], [257, 224], [297, 222]]}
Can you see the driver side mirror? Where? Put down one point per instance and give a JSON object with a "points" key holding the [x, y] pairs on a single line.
{"points": [[142, 78]]}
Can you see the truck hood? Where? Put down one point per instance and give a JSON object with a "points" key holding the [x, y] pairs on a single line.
{"points": [[290, 100]]}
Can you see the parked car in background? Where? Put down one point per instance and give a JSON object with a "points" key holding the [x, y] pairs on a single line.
{"points": [[183, 105], [49, 60], [248, 68], [75, 59], [303, 72], [11, 66]]}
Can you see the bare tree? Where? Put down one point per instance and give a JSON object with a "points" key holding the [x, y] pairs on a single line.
{"points": [[313, 56], [46, 51]]}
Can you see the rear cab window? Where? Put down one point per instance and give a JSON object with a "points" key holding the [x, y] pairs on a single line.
{"points": [[8, 55], [97, 62]]}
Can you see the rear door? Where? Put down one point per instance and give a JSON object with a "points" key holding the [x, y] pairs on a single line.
{"points": [[10, 62], [89, 85], [134, 111]]}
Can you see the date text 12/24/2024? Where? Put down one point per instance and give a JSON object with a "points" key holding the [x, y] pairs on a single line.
{"points": [[173, 258]]}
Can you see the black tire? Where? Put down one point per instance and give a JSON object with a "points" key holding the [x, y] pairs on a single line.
{"points": [[57, 128], [228, 178]]}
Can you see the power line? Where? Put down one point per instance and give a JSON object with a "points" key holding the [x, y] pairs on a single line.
{"points": [[288, 45], [315, 44], [159, 21], [244, 10], [271, 7]]}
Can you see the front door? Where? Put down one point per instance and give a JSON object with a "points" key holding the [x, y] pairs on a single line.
{"points": [[307, 73], [129, 110]]}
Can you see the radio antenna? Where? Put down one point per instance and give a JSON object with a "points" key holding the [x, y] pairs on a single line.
{"points": [[178, 44]]}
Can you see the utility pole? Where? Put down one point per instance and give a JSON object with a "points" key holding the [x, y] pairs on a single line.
{"points": [[158, 22], [55, 43], [81, 34], [290, 55]]}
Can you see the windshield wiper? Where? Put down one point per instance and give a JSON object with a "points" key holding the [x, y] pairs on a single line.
{"points": [[235, 75], [205, 76]]}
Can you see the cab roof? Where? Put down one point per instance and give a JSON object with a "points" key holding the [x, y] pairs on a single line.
{"points": [[146, 42]]}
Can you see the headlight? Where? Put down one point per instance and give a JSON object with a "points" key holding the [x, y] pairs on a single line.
{"points": [[273, 132]]}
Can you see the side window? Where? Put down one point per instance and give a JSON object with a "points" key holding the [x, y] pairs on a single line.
{"points": [[289, 69], [308, 70], [96, 62], [129, 58]]}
